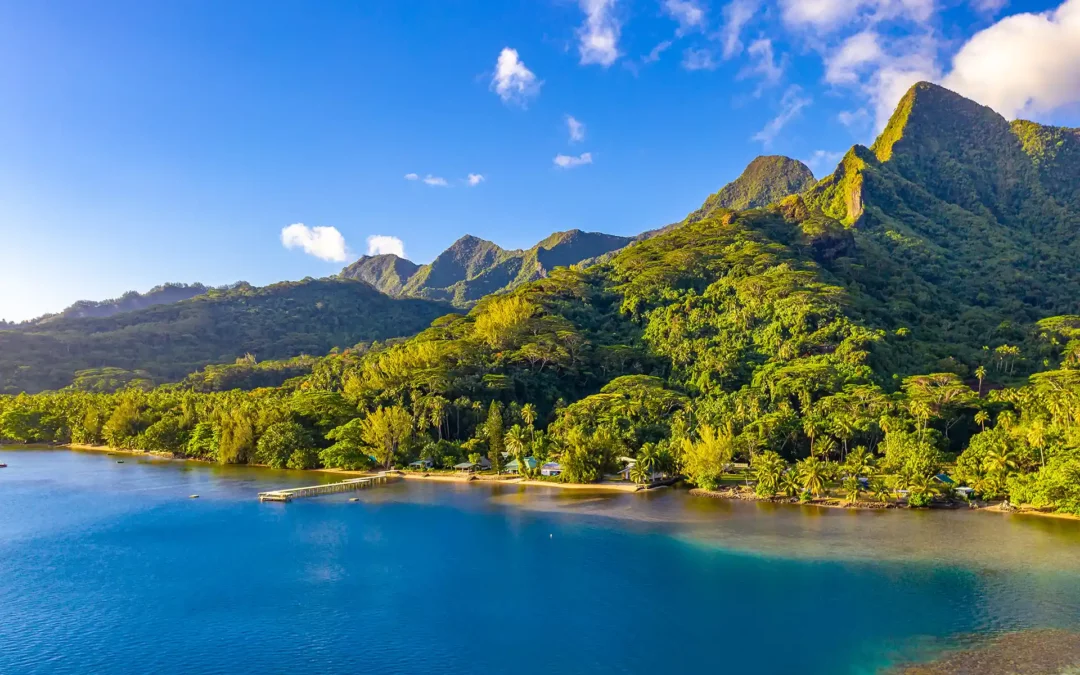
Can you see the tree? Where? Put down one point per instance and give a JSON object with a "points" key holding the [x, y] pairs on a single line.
{"points": [[812, 472], [981, 418], [384, 431], [980, 373], [705, 460], [768, 471], [528, 413], [280, 442], [516, 442], [493, 429]]}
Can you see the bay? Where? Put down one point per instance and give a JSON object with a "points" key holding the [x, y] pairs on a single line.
{"points": [[108, 567]]}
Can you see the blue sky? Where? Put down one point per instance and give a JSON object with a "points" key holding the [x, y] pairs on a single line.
{"points": [[150, 142]]}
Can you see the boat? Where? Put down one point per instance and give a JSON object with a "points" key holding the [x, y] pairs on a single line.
{"points": [[119, 461], [3, 466]]}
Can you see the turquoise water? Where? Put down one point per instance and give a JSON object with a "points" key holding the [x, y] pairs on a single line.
{"points": [[108, 567]]}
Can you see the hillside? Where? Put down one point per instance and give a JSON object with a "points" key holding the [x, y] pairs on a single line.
{"points": [[472, 267], [966, 227], [767, 179], [132, 300], [915, 309], [170, 341]]}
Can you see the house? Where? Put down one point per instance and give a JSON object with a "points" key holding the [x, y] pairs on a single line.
{"points": [[466, 467], [624, 474], [514, 466], [422, 465], [965, 492], [945, 479], [551, 469]]}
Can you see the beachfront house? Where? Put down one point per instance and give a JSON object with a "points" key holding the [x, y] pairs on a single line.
{"points": [[629, 464], [466, 467], [551, 469], [422, 464], [515, 467]]}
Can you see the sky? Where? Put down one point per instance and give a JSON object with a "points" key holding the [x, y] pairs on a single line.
{"points": [[209, 141]]}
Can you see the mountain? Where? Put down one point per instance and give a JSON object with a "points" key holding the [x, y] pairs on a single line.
{"points": [[965, 227], [130, 301], [472, 267], [767, 179], [170, 341]]}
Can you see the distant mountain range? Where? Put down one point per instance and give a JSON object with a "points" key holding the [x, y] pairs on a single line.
{"points": [[956, 225], [472, 267]]}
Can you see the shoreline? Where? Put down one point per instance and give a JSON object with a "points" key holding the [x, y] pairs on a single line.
{"points": [[732, 493]]}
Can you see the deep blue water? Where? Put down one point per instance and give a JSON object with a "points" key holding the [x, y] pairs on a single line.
{"points": [[109, 568]]}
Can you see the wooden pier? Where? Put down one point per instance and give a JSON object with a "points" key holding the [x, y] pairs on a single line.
{"points": [[349, 485]]}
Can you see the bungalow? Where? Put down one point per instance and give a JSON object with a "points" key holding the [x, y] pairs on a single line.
{"points": [[551, 469], [624, 474], [422, 464], [514, 466], [466, 467], [945, 479]]}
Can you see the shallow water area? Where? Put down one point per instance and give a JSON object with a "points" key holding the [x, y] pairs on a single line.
{"points": [[108, 563]]}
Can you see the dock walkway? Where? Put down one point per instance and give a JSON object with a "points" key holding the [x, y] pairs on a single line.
{"points": [[288, 494]]}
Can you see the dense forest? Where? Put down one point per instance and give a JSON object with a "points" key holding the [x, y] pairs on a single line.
{"points": [[912, 312], [167, 342]]}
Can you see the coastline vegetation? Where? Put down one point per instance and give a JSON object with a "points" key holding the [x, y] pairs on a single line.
{"points": [[904, 316]]}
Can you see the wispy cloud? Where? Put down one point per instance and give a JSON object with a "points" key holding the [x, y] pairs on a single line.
{"points": [[325, 243], [436, 181], [736, 15], [569, 161], [688, 13], [576, 129], [654, 54], [764, 63], [474, 179], [857, 53], [381, 244], [598, 37], [792, 103], [513, 82], [412, 176], [699, 59], [823, 161]]}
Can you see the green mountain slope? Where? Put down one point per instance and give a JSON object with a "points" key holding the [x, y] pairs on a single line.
{"points": [[767, 179], [472, 267], [170, 341], [966, 227]]}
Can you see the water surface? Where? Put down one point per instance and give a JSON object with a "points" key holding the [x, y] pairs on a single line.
{"points": [[109, 567]]}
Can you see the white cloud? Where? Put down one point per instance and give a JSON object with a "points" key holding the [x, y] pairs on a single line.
{"points": [[381, 244], [1025, 64], [790, 106], [990, 7], [699, 59], [598, 38], [436, 181], [513, 82], [856, 53], [569, 161], [655, 52], [411, 176], [827, 15], [854, 118], [689, 14], [325, 243], [823, 162], [736, 15], [475, 179], [576, 129], [764, 63]]}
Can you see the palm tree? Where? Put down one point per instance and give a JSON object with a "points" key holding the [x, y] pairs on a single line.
{"points": [[639, 474], [881, 490], [812, 474], [859, 462], [528, 413], [980, 373], [981, 418], [919, 488], [517, 440], [789, 483], [998, 462], [852, 486], [1036, 438], [768, 471]]}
